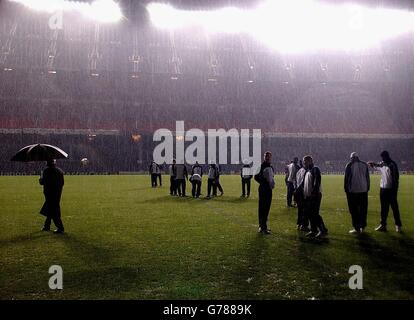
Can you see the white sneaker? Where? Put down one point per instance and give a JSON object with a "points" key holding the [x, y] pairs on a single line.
{"points": [[321, 234], [381, 228], [398, 229], [353, 231]]}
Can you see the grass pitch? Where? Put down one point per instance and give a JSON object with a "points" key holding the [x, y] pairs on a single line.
{"points": [[126, 240]]}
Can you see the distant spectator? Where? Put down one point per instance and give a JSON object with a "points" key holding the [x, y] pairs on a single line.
{"points": [[180, 179], [155, 172], [246, 178], [290, 179], [196, 179], [173, 174], [213, 174]]}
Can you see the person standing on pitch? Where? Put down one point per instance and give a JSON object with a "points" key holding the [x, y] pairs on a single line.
{"points": [[388, 190], [356, 185], [52, 181], [211, 181], [246, 178], [312, 192], [266, 181], [217, 183], [173, 173], [302, 221], [154, 171], [290, 179], [181, 176], [159, 175], [195, 179]]}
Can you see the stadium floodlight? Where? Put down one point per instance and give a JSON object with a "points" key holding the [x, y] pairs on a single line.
{"points": [[294, 25], [99, 10], [221, 20]]}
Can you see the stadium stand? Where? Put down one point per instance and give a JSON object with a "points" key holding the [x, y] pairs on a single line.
{"points": [[92, 88]]}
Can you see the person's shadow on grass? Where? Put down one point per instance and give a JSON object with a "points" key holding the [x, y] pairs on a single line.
{"points": [[23, 238]]}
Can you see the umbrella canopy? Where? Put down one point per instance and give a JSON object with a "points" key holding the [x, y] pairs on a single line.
{"points": [[39, 152]]}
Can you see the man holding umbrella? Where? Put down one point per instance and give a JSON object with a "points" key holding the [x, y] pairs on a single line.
{"points": [[52, 181]]}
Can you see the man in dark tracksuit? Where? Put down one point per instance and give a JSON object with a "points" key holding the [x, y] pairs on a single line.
{"points": [[302, 221], [246, 178], [388, 191], [290, 179], [159, 175], [312, 192], [356, 185], [217, 183], [195, 179], [173, 173], [155, 172], [266, 181], [52, 181], [212, 180], [181, 176]]}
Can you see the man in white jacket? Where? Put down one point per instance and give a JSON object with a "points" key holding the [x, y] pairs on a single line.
{"points": [[388, 190]]}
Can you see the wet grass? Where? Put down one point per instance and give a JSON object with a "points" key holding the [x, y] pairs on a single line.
{"points": [[125, 240]]}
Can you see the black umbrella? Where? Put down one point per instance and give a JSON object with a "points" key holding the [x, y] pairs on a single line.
{"points": [[39, 152]]}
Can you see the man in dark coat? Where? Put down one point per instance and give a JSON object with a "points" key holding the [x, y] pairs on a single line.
{"points": [[356, 186], [196, 179], [181, 176], [52, 181], [213, 174], [217, 183], [312, 192]]}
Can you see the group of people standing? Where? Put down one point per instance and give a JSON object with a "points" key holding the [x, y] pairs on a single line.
{"points": [[179, 175], [304, 190], [303, 182]]}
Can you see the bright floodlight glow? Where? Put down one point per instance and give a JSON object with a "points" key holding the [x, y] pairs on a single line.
{"points": [[294, 25], [99, 10], [222, 20]]}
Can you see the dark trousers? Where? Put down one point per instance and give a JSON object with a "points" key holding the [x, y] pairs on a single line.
{"points": [[388, 198], [173, 187], [290, 190], [56, 220], [218, 186], [211, 184], [180, 186], [196, 190], [159, 178], [265, 201], [246, 183], [358, 208], [302, 219], [153, 180], [312, 205]]}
